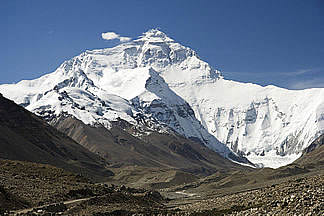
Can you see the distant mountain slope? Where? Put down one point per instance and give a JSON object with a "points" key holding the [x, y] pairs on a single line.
{"points": [[25, 137], [156, 150], [313, 155], [165, 83]]}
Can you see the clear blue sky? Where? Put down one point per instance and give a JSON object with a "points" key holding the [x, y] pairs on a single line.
{"points": [[278, 42]]}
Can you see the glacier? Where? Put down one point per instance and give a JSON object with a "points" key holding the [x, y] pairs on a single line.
{"points": [[155, 78]]}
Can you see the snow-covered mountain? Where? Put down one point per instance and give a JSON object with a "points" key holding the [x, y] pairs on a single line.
{"points": [[157, 84]]}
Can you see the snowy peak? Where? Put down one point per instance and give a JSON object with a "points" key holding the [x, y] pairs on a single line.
{"points": [[177, 64], [166, 83], [154, 35]]}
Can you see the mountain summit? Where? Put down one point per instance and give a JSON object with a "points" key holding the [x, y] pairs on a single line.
{"points": [[155, 35], [156, 84]]}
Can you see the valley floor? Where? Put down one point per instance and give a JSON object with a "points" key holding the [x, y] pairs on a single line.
{"points": [[46, 190], [302, 195]]}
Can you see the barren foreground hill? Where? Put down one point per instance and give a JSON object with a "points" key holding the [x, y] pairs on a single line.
{"points": [[24, 136]]}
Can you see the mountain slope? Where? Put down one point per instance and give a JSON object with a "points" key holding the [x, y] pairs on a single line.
{"points": [[156, 150], [313, 155], [266, 123], [158, 79], [144, 100], [26, 137]]}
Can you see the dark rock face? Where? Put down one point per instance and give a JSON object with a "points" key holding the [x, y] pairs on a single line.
{"points": [[313, 155], [316, 144]]}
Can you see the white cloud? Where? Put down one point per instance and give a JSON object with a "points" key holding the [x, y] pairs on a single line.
{"points": [[275, 73], [113, 36], [312, 83], [302, 72], [109, 35], [124, 39]]}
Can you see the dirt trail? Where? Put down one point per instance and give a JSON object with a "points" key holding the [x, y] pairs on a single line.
{"points": [[69, 202]]}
